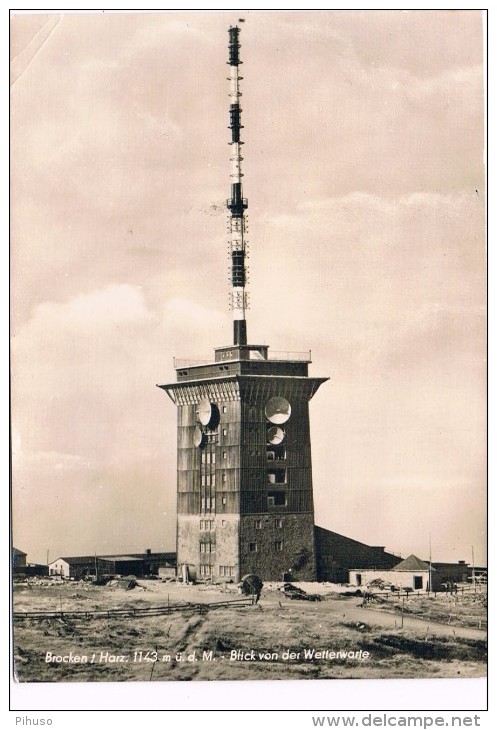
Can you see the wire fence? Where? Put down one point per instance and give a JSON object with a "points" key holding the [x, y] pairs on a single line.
{"points": [[112, 613]]}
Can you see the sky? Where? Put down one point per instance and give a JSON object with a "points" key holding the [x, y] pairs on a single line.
{"points": [[364, 172]]}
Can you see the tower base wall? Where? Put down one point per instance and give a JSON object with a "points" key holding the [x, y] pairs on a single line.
{"points": [[278, 546], [207, 545]]}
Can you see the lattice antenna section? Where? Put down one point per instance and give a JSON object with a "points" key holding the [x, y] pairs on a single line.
{"points": [[237, 204]]}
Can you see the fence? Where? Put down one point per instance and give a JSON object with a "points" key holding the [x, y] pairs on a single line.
{"points": [[135, 612], [372, 594]]}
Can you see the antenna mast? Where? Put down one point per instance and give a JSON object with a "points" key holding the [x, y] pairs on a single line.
{"points": [[237, 204]]}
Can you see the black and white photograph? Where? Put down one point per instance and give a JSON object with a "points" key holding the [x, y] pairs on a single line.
{"points": [[248, 315]]}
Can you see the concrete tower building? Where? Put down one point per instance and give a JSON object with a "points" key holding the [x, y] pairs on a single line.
{"points": [[245, 500]]}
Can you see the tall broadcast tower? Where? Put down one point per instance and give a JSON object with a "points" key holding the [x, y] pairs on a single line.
{"points": [[237, 204], [244, 480]]}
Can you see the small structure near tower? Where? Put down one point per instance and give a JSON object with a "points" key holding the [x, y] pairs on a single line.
{"points": [[245, 500]]}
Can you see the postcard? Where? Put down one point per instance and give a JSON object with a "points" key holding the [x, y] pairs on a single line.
{"points": [[248, 336]]}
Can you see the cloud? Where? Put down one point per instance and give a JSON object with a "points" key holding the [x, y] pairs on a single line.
{"points": [[111, 307]]}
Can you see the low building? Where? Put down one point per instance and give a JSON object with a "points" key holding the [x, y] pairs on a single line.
{"points": [[140, 565], [31, 570], [336, 554], [74, 567], [410, 574], [152, 562], [22, 569], [18, 559], [452, 572], [167, 571]]}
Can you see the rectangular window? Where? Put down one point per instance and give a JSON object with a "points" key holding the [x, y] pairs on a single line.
{"points": [[224, 454], [202, 480], [213, 458], [252, 547], [213, 504], [276, 476], [276, 452], [224, 476], [225, 431], [223, 500], [201, 524], [278, 545], [224, 409], [213, 480], [208, 456], [276, 499], [223, 523], [203, 504], [278, 523], [258, 524], [202, 547], [203, 457]]}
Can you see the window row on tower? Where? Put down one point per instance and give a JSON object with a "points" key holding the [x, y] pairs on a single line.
{"points": [[225, 571], [253, 547]]}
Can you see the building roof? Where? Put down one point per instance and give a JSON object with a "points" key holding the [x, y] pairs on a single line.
{"points": [[413, 563], [120, 558], [18, 552], [83, 560], [155, 556], [135, 557]]}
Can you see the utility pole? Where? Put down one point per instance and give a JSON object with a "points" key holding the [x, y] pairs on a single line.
{"points": [[473, 569], [429, 574]]}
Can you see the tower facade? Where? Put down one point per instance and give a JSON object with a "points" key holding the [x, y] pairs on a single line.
{"points": [[244, 489]]}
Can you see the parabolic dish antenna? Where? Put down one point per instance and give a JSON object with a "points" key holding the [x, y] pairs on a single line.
{"points": [[204, 412], [275, 435], [278, 410], [198, 437]]}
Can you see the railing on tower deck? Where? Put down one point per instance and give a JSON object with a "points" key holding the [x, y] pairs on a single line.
{"points": [[286, 355], [281, 355], [180, 363]]}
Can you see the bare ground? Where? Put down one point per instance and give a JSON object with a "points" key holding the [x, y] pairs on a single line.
{"points": [[435, 637]]}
